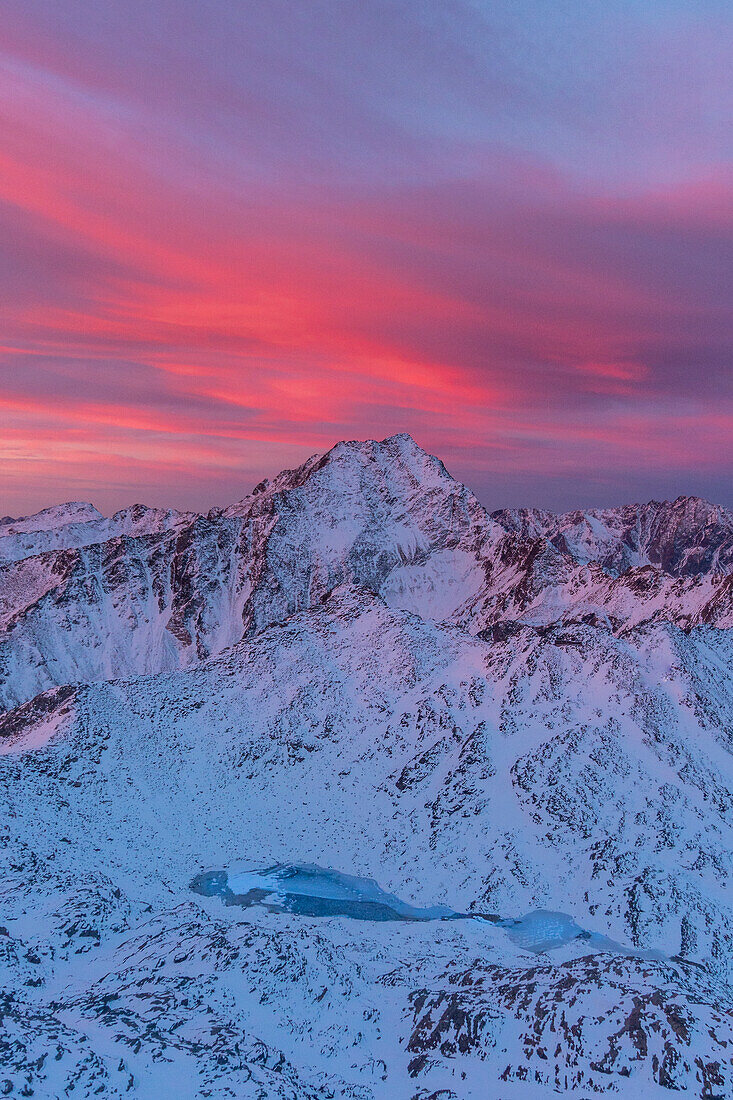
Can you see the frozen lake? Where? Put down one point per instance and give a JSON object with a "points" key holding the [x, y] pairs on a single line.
{"points": [[312, 891]]}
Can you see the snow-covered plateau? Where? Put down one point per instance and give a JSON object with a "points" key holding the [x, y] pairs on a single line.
{"points": [[355, 790]]}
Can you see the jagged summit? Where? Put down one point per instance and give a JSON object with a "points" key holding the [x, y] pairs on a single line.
{"points": [[354, 461]]}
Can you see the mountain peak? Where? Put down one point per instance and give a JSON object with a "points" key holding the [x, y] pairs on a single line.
{"points": [[57, 515], [357, 462]]}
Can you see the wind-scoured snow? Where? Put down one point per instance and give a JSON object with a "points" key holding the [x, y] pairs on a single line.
{"points": [[356, 689]]}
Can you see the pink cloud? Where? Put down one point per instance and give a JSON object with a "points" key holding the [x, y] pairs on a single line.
{"points": [[172, 318]]}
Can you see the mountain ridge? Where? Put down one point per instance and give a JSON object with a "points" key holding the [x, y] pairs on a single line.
{"points": [[173, 588]]}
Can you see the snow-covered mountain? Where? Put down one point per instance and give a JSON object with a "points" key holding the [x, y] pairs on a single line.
{"points": [[687, 537], [357, 669], [75, 524], [169, 589]]}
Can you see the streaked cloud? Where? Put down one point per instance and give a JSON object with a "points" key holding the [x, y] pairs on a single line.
{"points": [[232, 237]]}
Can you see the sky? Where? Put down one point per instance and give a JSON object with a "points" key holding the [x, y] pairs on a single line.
{"points": [[234, 232]]}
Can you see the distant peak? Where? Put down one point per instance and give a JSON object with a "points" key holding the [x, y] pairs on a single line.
{"points": [[132, 510], [73, 511], [684, 499], [80, 508]]}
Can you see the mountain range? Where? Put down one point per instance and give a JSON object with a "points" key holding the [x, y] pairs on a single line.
{"points": [[522, 717]]}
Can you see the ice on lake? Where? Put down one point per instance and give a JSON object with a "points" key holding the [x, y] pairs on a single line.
{"points": [[312, 891]]}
